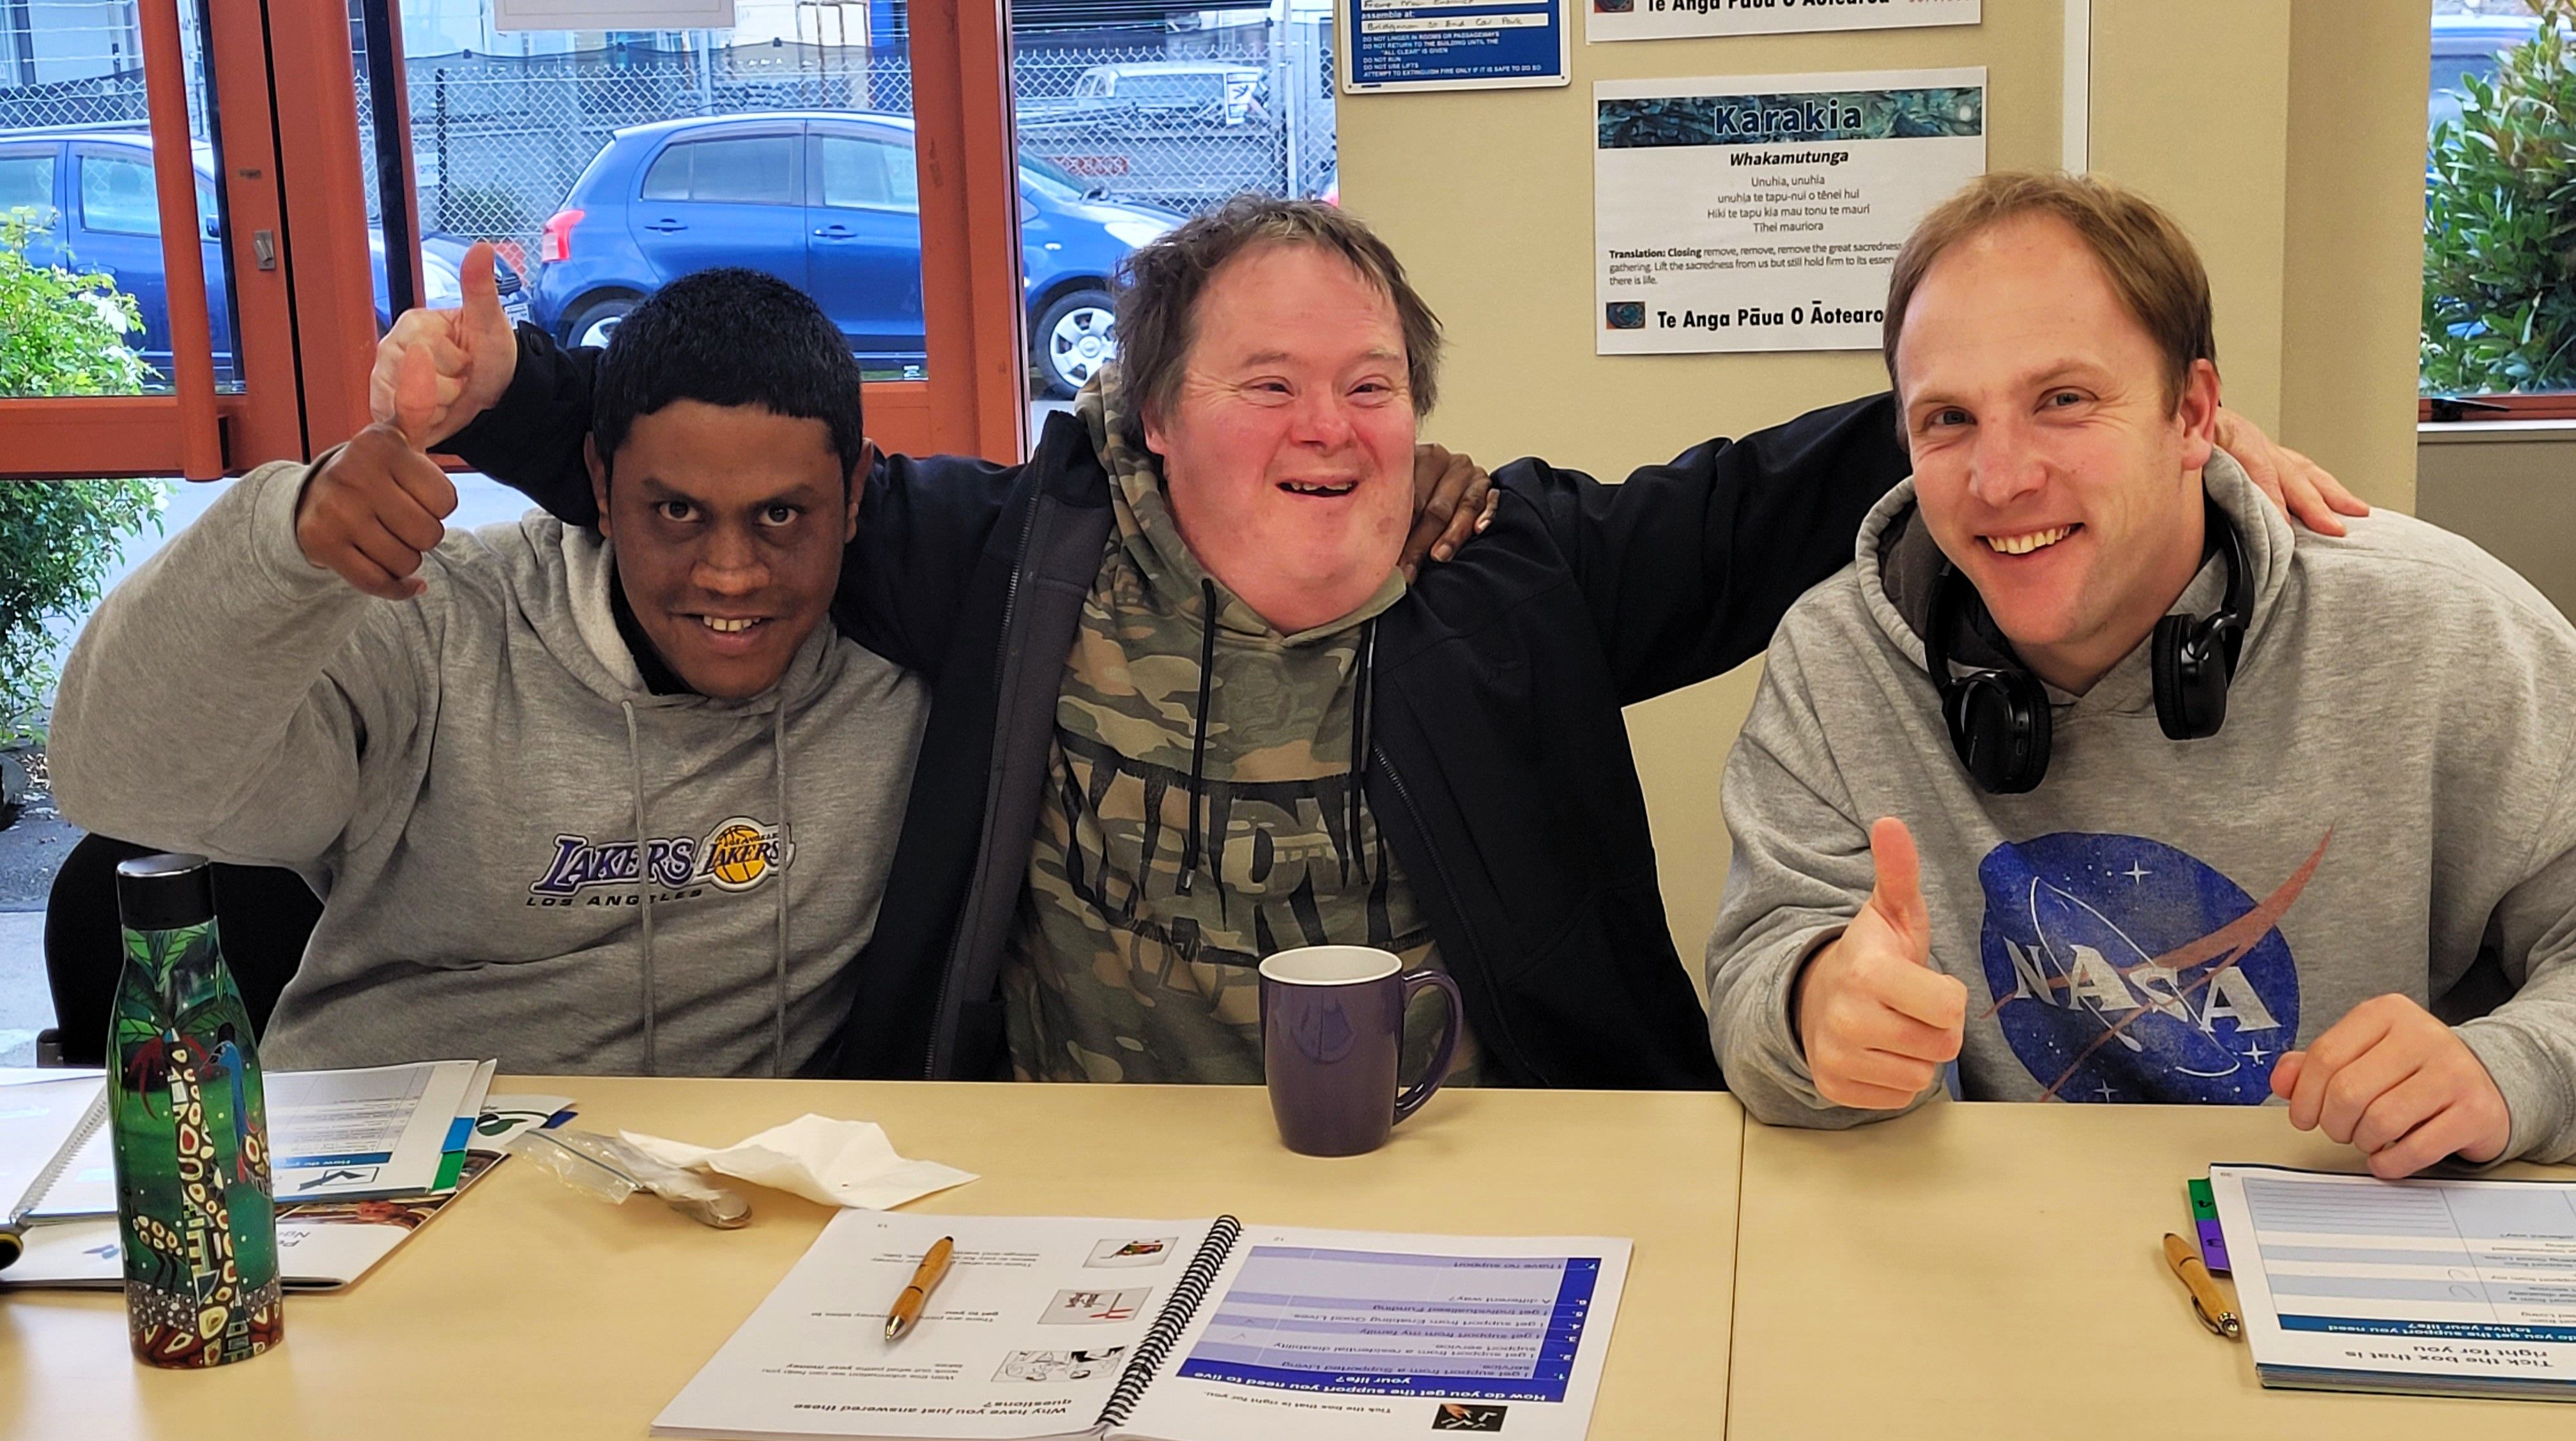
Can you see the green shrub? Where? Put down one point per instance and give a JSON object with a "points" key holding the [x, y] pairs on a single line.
{"points": [[61, 333], [2500, 225]]}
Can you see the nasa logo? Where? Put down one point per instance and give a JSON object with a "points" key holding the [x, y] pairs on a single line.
{"points": [[2126, 970], [741, 852]]}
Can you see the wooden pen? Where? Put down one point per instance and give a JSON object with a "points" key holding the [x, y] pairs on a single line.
{"points": [[905, 1313], [2212, 1308]]}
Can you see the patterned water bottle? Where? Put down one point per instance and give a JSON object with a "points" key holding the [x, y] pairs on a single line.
{"points": [[193, 1205]]}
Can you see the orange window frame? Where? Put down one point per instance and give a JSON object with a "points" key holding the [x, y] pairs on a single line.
{"points": [[285, 100]]}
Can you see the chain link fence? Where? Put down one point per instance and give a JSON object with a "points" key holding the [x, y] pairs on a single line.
{"points": [[499, 140]]}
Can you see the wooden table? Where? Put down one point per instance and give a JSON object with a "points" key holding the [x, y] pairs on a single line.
{"points": [[528, 1310], [1995, 1271]]}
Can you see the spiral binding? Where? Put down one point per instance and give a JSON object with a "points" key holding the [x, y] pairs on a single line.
{"points": [[33, 1199], [1172, 1321]]}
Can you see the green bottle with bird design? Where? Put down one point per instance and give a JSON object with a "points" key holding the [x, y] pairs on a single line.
{"points": [[195, 1214]]}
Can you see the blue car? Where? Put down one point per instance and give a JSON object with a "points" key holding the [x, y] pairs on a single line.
{"points": [[92, 194], [828, 202]]}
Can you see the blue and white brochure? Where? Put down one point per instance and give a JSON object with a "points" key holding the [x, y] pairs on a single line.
{"points": [[2430, 1287]]}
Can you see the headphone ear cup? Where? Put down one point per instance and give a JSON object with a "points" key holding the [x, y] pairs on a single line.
{"points": [[1999, 725], [2165, 657], [2191, 675]]}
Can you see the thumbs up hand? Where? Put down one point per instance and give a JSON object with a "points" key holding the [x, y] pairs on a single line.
{"points": [[471, 351], [1877, 1021], [375, 508]]}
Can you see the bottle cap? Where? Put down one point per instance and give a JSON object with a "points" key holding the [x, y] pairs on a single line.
{"points": [[163, 893]]}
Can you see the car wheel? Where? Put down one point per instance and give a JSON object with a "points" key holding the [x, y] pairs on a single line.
{"points": [[597, 320], [1073, 338]]}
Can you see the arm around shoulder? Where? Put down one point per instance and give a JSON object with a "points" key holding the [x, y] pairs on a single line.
{"points": [[1688, 567], [531, 438]]}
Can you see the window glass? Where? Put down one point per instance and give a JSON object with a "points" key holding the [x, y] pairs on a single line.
{"points": [[567, 150], [669, 177], [870, 173], [2495, 319], [1133, 116], [116, 197], [72, 83], [757, 170], [27, 182]]}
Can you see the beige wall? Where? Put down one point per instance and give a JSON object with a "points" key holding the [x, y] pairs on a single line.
{"points": [[2305, 219]]}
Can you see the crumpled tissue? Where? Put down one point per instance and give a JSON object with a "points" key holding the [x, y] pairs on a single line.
{"points": [[834, 1162]]}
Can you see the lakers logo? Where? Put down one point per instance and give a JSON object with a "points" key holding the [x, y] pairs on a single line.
{"points": [[741, 852]]}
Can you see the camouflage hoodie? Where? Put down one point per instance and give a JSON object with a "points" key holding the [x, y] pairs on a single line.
{"points": [[1199, 815]]}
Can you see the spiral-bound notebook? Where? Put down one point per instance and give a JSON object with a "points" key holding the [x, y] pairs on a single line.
{"points": [[1206, 1330]]}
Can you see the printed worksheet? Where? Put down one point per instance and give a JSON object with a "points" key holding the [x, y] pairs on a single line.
{"points": [[2421, 1285], [1027, 1336], [1363, 1334]]}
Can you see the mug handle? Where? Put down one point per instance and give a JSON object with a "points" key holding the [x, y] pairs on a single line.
{"points": [[1414, 982]]}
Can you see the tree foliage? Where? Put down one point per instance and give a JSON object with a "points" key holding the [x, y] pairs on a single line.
{"points": [[61, 333], [2500, 224]]}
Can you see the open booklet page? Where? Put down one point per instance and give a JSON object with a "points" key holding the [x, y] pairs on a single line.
{"points": [[1352, 1335], [1026, 1337], [2352, 1283], [378, 1131]]}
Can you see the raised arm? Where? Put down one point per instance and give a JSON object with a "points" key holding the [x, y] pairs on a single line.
{"points": [[222, 700], [923, 523], [1689, 566]]}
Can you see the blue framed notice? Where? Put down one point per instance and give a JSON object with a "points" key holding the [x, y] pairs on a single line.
{"points": [[1453, 45]]}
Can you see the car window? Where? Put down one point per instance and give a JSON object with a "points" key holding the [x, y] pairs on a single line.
{"points": [[116, 196], [1049, 179], [755, 169], [1167, 89], [27, 180], [872, 173]]}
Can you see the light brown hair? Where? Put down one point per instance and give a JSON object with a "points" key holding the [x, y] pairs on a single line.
{"points": [[1159, 286], [2152, 266]]}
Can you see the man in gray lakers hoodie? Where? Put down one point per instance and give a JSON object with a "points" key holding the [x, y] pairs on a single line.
{"points": [[2359, 894], [534, 838]]}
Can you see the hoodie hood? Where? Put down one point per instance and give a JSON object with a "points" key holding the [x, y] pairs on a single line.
{"points": [[1151, 536], [1899, 563]]}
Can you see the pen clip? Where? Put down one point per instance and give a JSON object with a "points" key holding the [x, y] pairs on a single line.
{"points": [[2219, 1325]]}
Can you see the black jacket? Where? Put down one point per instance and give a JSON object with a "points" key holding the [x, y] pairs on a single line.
{"points": [[1500, 766]]}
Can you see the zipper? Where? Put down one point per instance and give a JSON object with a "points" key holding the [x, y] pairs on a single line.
{"points": [[1020, 562], [1449, 887]]}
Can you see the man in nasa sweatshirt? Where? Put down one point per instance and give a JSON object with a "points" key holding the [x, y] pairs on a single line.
{"points": [[2351, 883], [582, 802]]}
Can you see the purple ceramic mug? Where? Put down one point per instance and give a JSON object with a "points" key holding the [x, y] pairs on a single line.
{"points": [[1332, 1030]]}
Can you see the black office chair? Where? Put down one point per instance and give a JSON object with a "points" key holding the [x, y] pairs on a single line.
{"points": [[265, 916]]}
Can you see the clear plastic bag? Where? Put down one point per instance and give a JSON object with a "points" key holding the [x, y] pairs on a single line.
{"points": [[611, 1169]]}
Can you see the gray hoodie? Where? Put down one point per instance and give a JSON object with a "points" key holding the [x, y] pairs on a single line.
{"points": [[465, 778], [2388, 809]]}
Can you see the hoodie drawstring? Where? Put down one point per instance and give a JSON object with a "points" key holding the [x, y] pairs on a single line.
{"points": [[1363, 703], [786, 839], [643, 875], [1198, 731]]}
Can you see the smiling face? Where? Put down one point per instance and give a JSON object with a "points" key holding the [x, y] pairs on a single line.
{"points": [[1288, 451], [728, 523], [2050, 462]]}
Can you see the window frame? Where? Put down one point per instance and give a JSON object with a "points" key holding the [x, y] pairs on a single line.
{"points": [[283, 96]]}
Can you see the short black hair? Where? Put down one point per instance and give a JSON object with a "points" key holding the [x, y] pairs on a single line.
{"points": [[730, 337]]}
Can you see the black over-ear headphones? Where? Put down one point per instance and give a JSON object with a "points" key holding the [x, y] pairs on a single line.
{"points": [[1998, 719]]}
